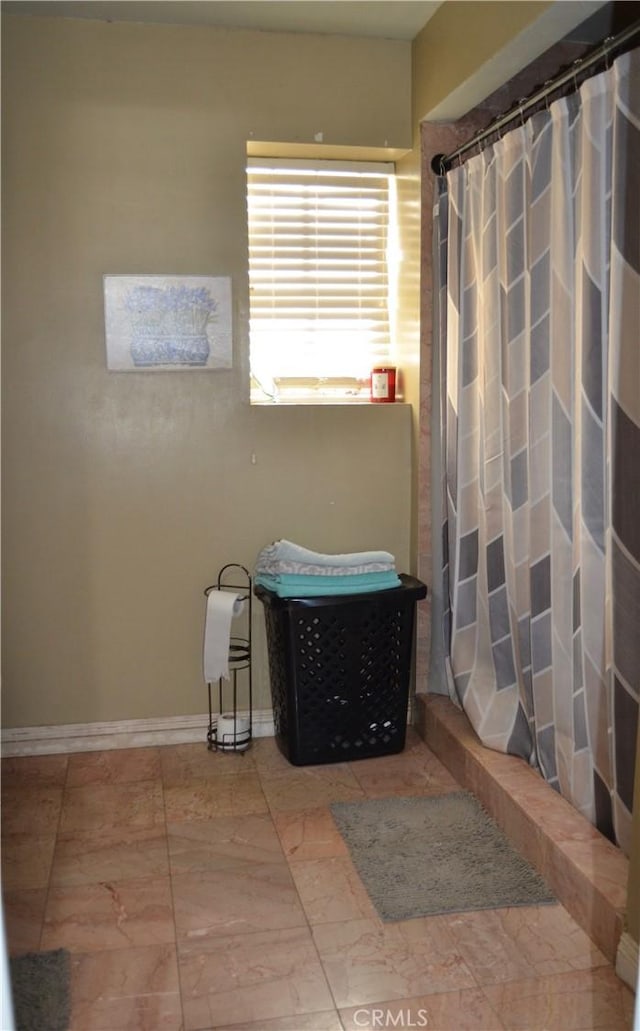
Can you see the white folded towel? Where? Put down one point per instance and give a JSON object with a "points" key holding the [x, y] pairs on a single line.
{"points": [[222, 606], [287, 551]]}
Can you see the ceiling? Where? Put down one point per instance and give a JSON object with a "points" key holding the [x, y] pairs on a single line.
{"points": [[384, 19]]}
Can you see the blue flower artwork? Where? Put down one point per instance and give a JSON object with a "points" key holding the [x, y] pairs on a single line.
{"points": [[167, 322]]}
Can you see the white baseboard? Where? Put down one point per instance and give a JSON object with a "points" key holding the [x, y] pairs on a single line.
{"points": [[92, 737], [627, 961]]}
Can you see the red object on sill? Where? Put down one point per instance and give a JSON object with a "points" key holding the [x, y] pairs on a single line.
{"points": [[383, 384]]}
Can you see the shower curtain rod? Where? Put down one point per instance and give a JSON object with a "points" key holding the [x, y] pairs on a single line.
{"points": [[441, 163]]}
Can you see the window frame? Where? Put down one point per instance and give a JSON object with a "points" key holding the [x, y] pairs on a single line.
{"points": [[339, 317]]}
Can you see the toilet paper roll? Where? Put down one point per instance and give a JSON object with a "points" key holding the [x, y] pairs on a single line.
{"points": [[222, 607], [232, 734]]}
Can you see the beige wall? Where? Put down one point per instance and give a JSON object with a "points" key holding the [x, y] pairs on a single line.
{"points": [[123, 493], [460, 39]]}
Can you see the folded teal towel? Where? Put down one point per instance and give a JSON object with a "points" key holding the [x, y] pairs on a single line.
{"points": [[312, 580], [317, 586]]}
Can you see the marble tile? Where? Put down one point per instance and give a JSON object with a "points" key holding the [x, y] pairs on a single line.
{"points": [[248, 880], [232, 900], [521, 781], [26, 860], [459, 724], [458, 1010], [309, 834], [326, 1021], [183, 763], [512, 818], [439, 715], [413, 741], [268, 759], [115, 766], [331, 890], [527, 837], [221, 796], [127, 853], [34, 771], [23, 917], [606, 867], [560, 820], [241, 978], [528, 941], [569, 853], [31, 810], [109, 915], [418, 751], [228, 842], [103, 806], [132, 989], [446, 747], [581, 897], [587, 999], [409, 774], [307, 787], [367, 962], [505, 765], [435, 769]]}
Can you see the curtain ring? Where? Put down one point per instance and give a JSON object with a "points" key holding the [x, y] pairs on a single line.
{"points": [[508, 119], [490, 133], [607, 51], [548, 82], [576, 69]]}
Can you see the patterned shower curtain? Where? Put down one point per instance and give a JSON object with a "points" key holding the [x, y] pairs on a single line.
{"points": [[537, 248]]}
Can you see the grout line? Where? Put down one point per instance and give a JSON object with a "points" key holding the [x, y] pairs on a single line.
{"points": [[171, 892], [261, 778], [53, 855]]}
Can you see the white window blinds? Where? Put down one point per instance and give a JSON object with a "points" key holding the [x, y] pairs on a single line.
{"points": [[318, 271]]}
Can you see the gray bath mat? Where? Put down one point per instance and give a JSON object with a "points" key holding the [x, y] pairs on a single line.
{"points": [[422, 856], [40, 989]]}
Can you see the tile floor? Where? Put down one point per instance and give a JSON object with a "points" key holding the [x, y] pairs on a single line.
{"points": [[584, 870], [197, 890]]}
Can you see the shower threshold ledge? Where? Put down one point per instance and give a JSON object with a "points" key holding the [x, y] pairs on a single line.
{"points": [[587, 874]]}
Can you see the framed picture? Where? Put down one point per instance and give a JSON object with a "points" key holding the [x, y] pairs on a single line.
{"points": [[168, 323]]}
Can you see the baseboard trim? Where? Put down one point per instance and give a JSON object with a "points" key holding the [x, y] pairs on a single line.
{"points": [[92, 737], [627, 960]]}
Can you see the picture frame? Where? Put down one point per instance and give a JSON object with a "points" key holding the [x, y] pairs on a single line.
{"points": [[168, 323]]}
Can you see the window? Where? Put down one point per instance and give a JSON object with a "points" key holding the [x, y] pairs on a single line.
{"points": [[319, 277]]}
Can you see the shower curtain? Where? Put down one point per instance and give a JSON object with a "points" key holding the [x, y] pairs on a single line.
{"points": [[537, 265]]}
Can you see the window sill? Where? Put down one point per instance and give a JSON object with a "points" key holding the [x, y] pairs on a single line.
{"points": [[331, 401]]}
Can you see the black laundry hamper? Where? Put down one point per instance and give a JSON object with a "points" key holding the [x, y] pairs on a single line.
{"points": [[340, 670]]}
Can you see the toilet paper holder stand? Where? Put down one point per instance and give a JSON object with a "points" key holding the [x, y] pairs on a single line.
{"points": [[231, 727]]}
